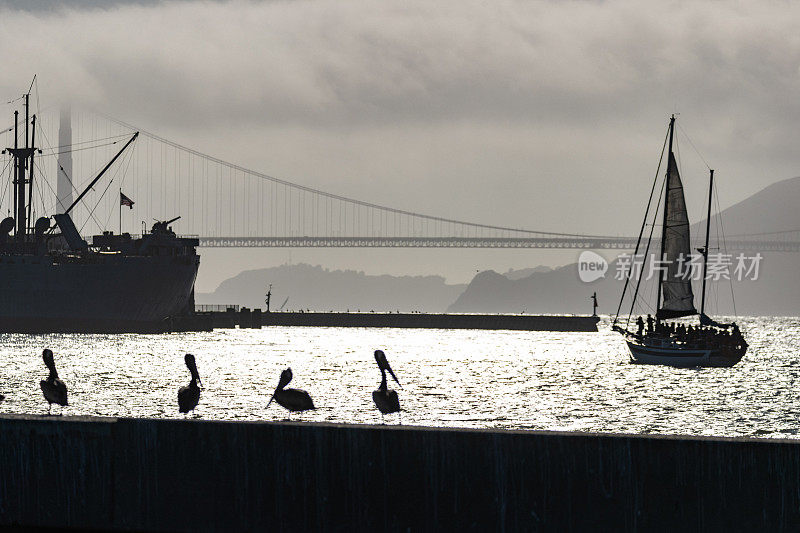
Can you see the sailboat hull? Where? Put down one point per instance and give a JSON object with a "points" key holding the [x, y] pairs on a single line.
{"points": [[655, 353]]}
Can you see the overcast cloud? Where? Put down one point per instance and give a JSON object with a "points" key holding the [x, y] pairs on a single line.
{"points": [[545, 115]]}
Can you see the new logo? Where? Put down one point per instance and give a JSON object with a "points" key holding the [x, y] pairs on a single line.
{"points": [[591, 266]]}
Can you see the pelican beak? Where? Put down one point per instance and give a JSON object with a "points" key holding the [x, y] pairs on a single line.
{"points": [[200, 382], [270, 400], [393, 376]]}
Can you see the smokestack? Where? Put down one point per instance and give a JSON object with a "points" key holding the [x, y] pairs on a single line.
{"points": [[64, 182]]}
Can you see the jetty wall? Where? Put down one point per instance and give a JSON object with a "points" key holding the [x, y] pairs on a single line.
{"points": [[189, 475], [430, 320]]}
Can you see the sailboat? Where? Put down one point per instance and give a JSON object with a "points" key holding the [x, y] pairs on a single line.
{"points": [[709, 343]]}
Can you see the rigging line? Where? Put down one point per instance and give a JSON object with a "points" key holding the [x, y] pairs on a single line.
{"points": [[38, 111], [693, 146], [35, 81], [58, 202], [92, 141], [5, 189], [641, 230], [39, 189], [59, 169], [646, 251], [724, 246], [126, 163], [116, 171], [53, 151], [14, 100], [336, 196], [47, 182]]}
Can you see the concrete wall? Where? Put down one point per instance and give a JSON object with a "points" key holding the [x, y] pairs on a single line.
{"points": [[429, 320], [177, 475]]}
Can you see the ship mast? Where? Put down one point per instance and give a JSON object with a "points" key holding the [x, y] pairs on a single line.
{"points": [[30, 181], [664, 225], [705, 249], [23, 161]]}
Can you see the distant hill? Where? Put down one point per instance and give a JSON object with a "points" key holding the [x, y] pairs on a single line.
{"points": [[319, 289], [776, 292], [774, 208], [525, 272]]}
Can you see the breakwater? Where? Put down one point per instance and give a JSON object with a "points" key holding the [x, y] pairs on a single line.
{"points": [[188, 475], [247, 318]]}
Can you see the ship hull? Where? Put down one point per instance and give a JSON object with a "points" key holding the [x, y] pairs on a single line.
{"points": [[94, 294], [680, 356]]}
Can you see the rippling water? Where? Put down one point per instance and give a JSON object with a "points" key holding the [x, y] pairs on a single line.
{"points": [[458, 378]]}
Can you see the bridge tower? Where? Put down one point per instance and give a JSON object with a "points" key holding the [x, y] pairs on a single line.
{"points": [[64, 181]]}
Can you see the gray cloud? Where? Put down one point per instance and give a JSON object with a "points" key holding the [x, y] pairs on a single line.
{"points": [[324, 63], [60, 5], [533, 114]]}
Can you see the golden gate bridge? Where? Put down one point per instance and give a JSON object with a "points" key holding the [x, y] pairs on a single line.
{"points": [[227, 205]]}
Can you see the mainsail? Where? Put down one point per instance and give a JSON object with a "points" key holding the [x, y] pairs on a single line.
{"points": [[676, 283]]}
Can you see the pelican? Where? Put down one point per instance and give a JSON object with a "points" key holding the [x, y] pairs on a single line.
{"points": [[386, 400], [291, 399], [189, 395], [53, 388]]}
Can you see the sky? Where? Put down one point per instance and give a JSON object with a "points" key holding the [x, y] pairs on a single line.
{"points": [[543, 115]]}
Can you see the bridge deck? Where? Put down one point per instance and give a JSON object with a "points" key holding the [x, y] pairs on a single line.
{"points": [[607, 243]]}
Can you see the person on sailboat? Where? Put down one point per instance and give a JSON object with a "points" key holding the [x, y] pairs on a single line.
{"points": [[639, 326], [649, 323]]}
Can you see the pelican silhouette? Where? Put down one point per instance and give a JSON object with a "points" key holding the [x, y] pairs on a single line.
{"points": [[385, 399], [189, 395], [54, 390], [291, 399]]}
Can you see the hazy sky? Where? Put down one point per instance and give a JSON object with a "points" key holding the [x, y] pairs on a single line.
{"points": [[544, 115]]}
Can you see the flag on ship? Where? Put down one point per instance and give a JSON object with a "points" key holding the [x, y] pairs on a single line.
{"points": [[124, 200]]}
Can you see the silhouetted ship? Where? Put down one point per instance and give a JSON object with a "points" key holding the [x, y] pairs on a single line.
{"points": [[52, 280], [709, 343]]}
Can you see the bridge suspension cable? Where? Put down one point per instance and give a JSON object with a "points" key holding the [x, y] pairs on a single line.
{"points": [[226, 204], [332, 195]]}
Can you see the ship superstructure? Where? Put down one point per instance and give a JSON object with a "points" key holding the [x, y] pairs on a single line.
{"points": [[52, 280]]}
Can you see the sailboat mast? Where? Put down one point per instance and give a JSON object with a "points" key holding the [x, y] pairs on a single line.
{"points": [[664, 225], [705, 248]]}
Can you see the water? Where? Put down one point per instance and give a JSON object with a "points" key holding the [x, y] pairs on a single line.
{"points": [[454, 378]]}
